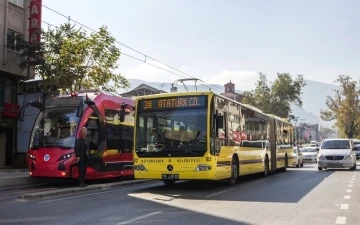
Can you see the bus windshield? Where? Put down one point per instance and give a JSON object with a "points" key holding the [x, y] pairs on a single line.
{"points": [[55, 127], [171, 132]]}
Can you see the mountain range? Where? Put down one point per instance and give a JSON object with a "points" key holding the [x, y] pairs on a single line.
{"points": [[314, 97]]}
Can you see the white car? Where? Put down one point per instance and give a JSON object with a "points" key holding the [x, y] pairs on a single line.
{"points": [[298, 162], [337, 153], [310, 154]]}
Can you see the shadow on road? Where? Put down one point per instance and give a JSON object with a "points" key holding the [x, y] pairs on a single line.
{"points": [[289, 187]]}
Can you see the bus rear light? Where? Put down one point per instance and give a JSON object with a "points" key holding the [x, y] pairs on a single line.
{"points": [[140, 168], [203, 167], [30, 173], [63, 174]]}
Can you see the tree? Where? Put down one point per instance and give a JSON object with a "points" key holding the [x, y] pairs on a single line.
{"points": [[326, 132], [344, 107], [276, 97], [72, 59]]}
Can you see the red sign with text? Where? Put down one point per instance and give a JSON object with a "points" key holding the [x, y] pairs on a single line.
{"points": [[35, 21], [10, 110]]}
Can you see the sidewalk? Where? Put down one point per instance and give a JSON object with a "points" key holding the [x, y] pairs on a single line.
{"points": [[17, 177]]}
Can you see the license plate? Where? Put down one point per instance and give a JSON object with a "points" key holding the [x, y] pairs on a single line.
{"points": [[170, 176], [335, 164]]}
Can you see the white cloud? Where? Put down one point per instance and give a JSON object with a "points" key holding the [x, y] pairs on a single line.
{"points": [[243, 80]]}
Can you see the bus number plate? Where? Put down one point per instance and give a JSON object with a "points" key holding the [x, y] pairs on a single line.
{"points": [[170, 176]]}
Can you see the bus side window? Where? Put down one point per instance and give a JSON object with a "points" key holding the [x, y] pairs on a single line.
{"points": [[93, 134]]}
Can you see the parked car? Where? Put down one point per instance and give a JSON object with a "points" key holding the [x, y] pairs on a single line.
{"points": [[310, 154], [357, 151], [337, 153]]}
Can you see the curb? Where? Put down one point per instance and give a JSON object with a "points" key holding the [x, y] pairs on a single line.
{"points": [[75, 190]]}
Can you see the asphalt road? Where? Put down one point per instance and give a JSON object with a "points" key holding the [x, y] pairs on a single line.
{"points": [[299, 196]]}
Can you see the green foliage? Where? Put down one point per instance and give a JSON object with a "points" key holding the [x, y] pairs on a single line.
{"points": [[276, 97], [73, 59], [344, 107]]}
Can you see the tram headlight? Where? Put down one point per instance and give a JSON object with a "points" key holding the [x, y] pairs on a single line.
{"points": [[203, 167], [140, 167], [31, 157], [66, 156]]}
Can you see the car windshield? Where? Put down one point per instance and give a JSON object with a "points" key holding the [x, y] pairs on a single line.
{"points": [[336, 144], [179, 132], [55, 127]]}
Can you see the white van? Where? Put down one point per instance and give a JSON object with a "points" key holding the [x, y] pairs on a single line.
{"points": [[337, 153]]}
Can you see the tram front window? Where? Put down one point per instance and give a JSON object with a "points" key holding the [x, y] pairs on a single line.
{"points": [[55, 127]]}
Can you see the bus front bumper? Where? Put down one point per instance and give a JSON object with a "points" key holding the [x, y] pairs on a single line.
{"points": [[166, 175]]}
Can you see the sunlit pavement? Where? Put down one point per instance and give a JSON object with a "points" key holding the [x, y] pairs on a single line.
{"points": [[298, 196]]}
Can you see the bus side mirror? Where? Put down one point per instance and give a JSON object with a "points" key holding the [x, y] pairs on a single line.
{"points": [[219, 121], [317, 149]]}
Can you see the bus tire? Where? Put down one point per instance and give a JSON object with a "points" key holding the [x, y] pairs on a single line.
{"points": [[169, 182], [285, 164], [234, 170], [266, 166]]}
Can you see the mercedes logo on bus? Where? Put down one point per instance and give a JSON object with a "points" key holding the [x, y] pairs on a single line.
{"points": [[170, 167]]}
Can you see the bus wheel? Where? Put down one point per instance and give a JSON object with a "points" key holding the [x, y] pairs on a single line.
{"points": [[286, 164], [234, 171], [169, 182], [266, 167]]}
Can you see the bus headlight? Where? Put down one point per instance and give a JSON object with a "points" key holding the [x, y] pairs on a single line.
{"points": [[140, 167], [203, 167]]}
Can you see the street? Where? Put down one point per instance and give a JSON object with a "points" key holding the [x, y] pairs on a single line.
{"points": [[299, 196]]}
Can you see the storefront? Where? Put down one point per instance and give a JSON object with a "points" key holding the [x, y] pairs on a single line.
{"points": [[8, 119]]}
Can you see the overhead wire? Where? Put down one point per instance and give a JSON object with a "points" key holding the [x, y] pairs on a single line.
{"points": [[137, 51], [180, 73]]}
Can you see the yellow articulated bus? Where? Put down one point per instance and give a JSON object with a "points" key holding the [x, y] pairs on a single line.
{"points": [[205, 136]]}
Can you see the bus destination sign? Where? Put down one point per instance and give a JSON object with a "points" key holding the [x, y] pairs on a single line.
{"points": [[173, 102]]}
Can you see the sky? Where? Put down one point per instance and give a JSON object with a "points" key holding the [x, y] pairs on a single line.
{"points": [[218, 41]]}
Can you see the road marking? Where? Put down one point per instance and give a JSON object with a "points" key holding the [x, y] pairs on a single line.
{"points": [[351, 182], [220, 192], [340, 220], [344, 206], [352, 178], [350, 185], [96, 193], [348, 190], [347, 197], [139, 218]]}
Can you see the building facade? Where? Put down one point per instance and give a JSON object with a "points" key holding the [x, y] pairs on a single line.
{"points": [[14, 21], [230, 92]]}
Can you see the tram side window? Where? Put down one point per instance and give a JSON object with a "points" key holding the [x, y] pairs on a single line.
{"points": [[112, 136], [93, 133], [126, 140]]}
